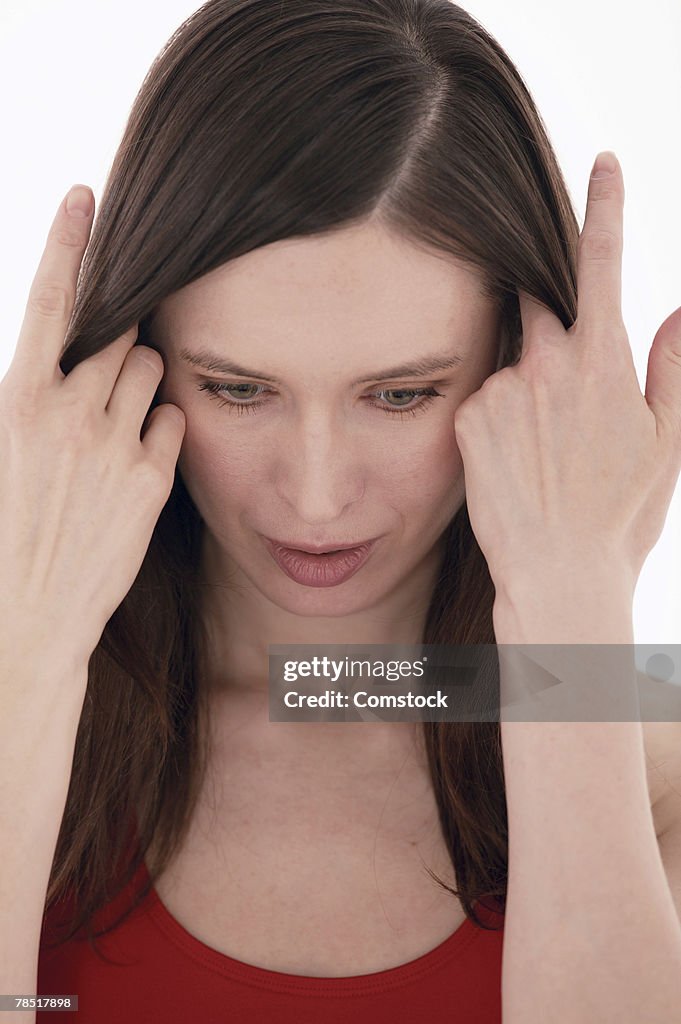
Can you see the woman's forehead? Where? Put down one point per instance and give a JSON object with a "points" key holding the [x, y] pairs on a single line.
{"points": [[361, 273]]}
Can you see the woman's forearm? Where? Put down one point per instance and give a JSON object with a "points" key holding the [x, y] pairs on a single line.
{"points": [[591, 933]]}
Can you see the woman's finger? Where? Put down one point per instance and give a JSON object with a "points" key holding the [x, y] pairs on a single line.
{"points": [[53, 290], [539, 323], [599, 250], [97, 374]]}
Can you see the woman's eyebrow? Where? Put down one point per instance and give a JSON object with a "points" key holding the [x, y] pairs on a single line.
{"points": [[423, 367]]}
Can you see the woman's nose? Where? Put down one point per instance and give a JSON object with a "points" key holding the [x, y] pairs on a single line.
{"points": [[319, 473]]}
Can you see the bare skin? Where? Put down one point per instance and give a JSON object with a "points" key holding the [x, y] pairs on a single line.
{"points": [[274, 854], [303, 825], [299, 825], [74, 465], [314, 875], [77, 441]]}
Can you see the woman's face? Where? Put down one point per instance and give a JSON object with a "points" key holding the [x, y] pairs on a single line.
{"points": [[314, 440]]}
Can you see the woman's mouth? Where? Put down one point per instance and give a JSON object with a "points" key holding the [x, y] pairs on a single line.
{"points": [[325, 569]]}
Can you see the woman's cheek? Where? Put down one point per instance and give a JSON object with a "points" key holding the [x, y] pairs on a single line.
{"points": [[216, 466], [447, 470]]}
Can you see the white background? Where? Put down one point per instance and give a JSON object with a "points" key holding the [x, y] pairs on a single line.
{"points": [[604, 76]]}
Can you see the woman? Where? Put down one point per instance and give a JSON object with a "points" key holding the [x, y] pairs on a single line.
{"points": [[316, 193]]}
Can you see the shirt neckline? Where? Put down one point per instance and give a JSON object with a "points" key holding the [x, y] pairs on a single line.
{"points": [[279, 981]]}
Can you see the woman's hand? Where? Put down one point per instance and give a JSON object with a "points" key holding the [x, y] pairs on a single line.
{"points": [[80, 492], [566, 463]]}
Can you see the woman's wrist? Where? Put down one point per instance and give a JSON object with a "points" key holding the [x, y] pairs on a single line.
{"points": [[567, 600]]}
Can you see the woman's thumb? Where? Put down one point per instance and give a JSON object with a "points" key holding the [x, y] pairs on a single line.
{"points": [[663, 377]]}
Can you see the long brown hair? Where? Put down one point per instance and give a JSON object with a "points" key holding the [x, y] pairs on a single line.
{"points": [[259, 121]]}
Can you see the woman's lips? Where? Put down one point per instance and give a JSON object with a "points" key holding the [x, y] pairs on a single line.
{"points": [[319, 549], [323, 570]]}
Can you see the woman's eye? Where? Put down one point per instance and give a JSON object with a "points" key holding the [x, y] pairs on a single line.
{"points": [[216, 389], [424, 395], [223, 393]]}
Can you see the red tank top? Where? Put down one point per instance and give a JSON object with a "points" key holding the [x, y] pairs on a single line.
{"points": [[155, 970]]}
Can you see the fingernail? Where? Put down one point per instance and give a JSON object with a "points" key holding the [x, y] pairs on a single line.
{"points": [[605, 164], [79, 201]]}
